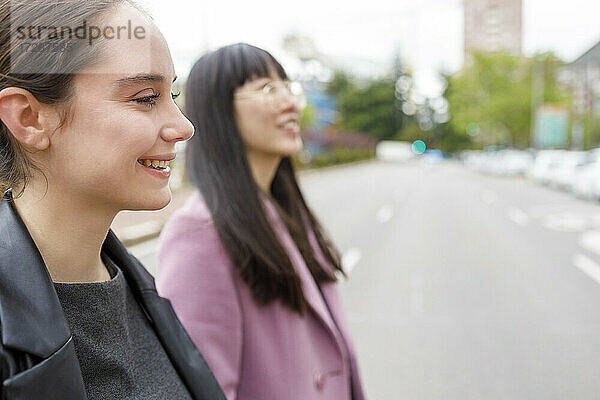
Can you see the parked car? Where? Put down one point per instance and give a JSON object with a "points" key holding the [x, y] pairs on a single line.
{"points": [[564, 168], [394, 151], [545, 162], [515, 162], [586, 183]]}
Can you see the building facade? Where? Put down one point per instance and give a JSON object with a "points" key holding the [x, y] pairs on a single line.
{"points": [[492, 25], [582, 76]]}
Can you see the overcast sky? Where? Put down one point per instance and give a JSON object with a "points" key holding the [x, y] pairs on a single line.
{"points": [[428, 33]]}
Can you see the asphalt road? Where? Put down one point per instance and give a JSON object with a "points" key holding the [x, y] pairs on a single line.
{"points": [[461, 285]]}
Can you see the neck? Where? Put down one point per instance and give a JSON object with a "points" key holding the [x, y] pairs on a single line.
{"points": [[68, 232], [263, 168]]}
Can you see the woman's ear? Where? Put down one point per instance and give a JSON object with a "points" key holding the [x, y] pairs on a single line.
{"points": [[24, 117]]}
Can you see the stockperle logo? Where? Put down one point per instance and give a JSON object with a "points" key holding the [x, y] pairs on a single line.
{"points": [[89, 33]]}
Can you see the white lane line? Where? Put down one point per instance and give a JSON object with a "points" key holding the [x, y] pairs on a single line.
{"points": [[587, 266], [590, 240], [350, 258], [518, 216], [385, 214], [565, 222], [489, 197]]}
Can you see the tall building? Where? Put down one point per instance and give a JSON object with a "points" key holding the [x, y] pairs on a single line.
{"points": [[493, 25], [583, 76]]}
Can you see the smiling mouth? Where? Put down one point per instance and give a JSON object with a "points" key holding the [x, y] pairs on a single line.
{"points": [[155, 164], [290, 125]]}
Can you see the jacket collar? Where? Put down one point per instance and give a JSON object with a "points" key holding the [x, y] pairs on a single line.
{"points": [[312, 292], [30, 313], [185, 357], [31, 316]]}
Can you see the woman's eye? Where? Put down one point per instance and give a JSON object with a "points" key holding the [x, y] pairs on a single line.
{"points": [[148, 100], [175, 95]]}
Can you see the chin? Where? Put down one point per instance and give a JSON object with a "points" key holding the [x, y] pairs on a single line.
{"points": [[158, 200], [293, 148]]}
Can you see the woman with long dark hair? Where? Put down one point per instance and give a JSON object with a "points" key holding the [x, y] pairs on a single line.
{"points": [[245, 263], [88, 128]]}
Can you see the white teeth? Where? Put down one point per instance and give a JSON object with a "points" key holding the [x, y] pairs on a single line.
{"points": [[158, 164], [290, 125]]}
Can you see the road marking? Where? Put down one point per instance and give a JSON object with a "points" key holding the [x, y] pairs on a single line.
{"points": [[489, 197], [518, 216], [350, 258], [384, 214], [590, 240], [565, 222], [587, 266]]}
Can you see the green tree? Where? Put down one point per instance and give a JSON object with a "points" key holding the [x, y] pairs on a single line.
{"points": [[491, 98], [339, 84], [308, 116], [370, 108]]}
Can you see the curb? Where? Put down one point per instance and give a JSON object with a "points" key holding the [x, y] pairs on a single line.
{"points": [[140, 233], [311, 171]]}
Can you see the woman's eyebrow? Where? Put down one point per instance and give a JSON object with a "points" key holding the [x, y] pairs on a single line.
{"points": [[140, 78], [262, 82]]}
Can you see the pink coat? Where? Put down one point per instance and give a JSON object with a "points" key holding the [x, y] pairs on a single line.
{"points": [[256, 352]]}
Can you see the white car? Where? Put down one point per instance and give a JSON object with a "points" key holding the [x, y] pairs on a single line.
{"points": [[394, 151], [565, 168], [586, 184], [515, 162], [545, 161]]}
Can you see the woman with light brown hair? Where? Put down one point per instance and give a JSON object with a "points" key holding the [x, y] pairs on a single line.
{"points": [[88, 128]]}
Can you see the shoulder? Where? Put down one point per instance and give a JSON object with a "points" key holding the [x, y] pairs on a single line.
{"points": [[190, 242], [193, 217], [194, 209]]}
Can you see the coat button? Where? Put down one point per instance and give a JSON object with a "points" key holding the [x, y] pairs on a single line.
{"points": [[319, 380]]}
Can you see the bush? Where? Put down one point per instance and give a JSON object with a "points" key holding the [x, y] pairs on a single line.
{"points": [[337, 155]]}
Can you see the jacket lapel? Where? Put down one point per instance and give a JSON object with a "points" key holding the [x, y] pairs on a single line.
{"points": [[184, 355], [312, 294], [31, 318], [26, 286]]}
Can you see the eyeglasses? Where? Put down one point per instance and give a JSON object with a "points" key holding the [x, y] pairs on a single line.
{"points": [[277, 94]]}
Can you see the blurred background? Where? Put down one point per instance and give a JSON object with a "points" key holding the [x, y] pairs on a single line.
{"points": [[452, 151]]}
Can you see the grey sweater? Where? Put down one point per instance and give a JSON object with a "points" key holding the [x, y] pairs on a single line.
{"points": [[119, 353]]}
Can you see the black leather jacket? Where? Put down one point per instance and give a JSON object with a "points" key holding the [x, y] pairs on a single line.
{"points": [[37, 355]]}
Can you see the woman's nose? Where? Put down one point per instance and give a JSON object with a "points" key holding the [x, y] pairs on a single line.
{"points": [[288, 102], [179, 130]]}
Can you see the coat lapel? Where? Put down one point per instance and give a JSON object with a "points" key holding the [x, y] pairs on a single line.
{"points": [[26, 286], [184, 355], [31, 318], [312, 294]]}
